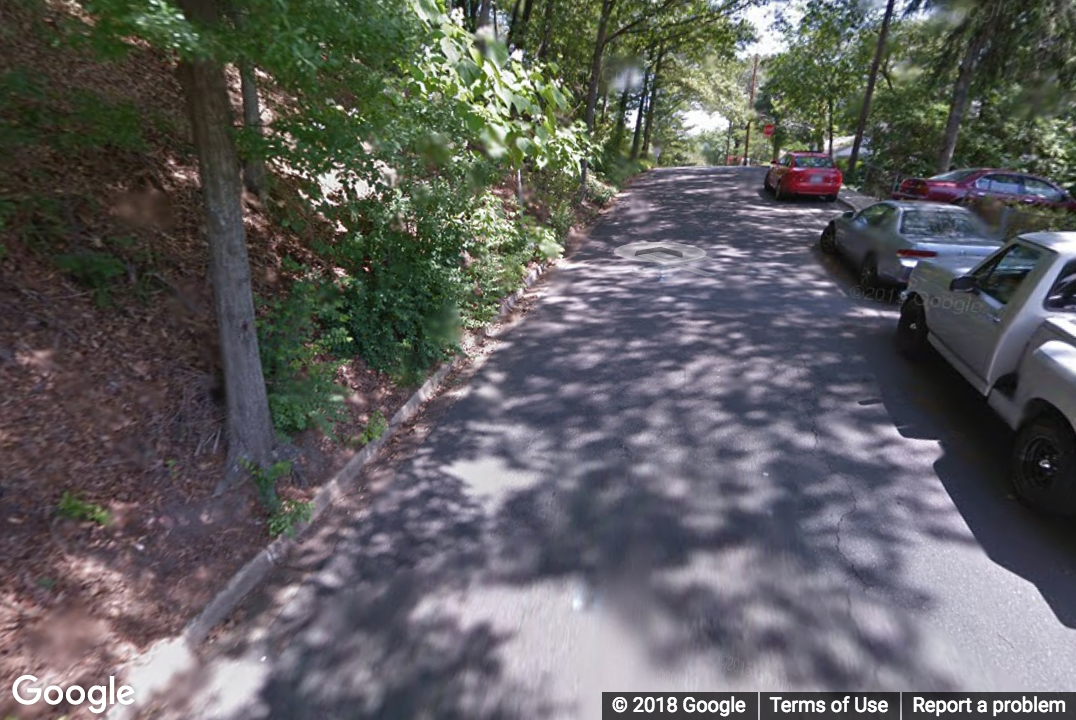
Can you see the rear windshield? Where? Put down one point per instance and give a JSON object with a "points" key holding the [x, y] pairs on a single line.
{"points": [[949, 224], [813, 161], [954, 176]]}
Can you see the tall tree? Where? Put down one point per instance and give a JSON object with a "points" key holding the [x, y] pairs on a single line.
{"points": [[872, 78], [651, 103], [640, 113], [249, 425]]}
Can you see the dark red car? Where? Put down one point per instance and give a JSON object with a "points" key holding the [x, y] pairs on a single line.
{"points": [[804, 173], [962, 185]]}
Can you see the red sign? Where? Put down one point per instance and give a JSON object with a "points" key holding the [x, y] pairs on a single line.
{"points": [[768, 130]]}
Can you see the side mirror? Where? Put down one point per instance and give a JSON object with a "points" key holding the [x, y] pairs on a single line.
{"points": [[773, 162], [848, 214], [964, 284]]}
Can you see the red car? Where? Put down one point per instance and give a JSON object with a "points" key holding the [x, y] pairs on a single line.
{"points": [[960, 186], [804, 173]]}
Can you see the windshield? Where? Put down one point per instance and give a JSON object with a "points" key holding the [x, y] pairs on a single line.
{"points": [[813, 161], [954, 176], [949, 224]]}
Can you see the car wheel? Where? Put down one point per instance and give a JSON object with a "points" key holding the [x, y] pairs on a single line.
{"points": [[779, 191], [831, 198], [828, 241], [1044, 465], [766, 184], [868, 273], [912, 329]]}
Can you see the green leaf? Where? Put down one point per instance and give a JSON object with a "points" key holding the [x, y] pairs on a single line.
{"points": [[499, 53], [451, 51]]}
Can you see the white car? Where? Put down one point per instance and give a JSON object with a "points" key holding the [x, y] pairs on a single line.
{"points": [[1008, 325]]}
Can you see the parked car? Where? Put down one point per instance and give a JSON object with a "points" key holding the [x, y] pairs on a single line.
{"points": [[804, 173], [888, 239], [1008, 325], [960, 186]]}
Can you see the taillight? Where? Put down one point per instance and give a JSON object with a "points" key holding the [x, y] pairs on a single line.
{"points": [[916, 253]]}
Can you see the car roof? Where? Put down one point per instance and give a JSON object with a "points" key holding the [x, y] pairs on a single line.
{"points": [[1061, 242], [808, 152]]}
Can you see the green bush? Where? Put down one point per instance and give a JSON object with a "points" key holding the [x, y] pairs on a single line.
{"points": [[300, 381], [73, 507], [374, 429], [497, 250], [94, 270], [287, 518]]}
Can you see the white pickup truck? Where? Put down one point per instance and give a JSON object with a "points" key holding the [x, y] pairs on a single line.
{"points": [[1008, 325]]}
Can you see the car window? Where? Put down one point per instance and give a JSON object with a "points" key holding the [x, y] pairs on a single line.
{"points": [[883, 216], [954, 176], [812, 161], [1062, 295], [869, 215], [1002, 184], [786, 160], [951, 224], [1042, 189], [1003, 277]]}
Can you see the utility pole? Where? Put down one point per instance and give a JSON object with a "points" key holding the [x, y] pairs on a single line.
{"points": [[750, 114]]}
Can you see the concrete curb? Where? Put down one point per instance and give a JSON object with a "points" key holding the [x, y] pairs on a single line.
{"points": [[170, 658]]}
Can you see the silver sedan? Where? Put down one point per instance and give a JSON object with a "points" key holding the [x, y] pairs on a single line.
{"points": [[887, 240]]}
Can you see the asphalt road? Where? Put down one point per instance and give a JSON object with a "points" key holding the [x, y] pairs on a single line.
{"points": [[706, 483]]}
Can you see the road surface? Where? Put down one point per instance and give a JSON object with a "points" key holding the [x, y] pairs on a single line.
{"points": [[706, 483]]}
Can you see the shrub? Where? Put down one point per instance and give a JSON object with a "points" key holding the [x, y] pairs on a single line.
{"points": [[73, 507], [94, 270], [299, 380]]}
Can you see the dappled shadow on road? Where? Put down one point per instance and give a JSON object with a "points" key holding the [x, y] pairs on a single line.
{"points": [[714, 460]]}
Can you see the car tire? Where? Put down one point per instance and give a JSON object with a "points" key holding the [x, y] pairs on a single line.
{"points": [[868, 273], [828, 241], [912, 330], [831, 198], [766, 187], [779, 191], [1043, 469]]}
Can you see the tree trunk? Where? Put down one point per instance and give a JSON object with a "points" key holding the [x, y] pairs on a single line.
{"points": [[521, 17], [622, 118], [528, 7], [829, 122], [639, 114], [253, 166], [728, 143], [547, 29], [872, 78], [249, 425], [596, 62], [959, 103], [651, 104], [483, 13], [512, 23]]}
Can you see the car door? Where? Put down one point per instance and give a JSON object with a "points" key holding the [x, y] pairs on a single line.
{"points": [[780, 170], [871, 237], [974, 322], [1000, 185], [851, 240], [1040, 192]]}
